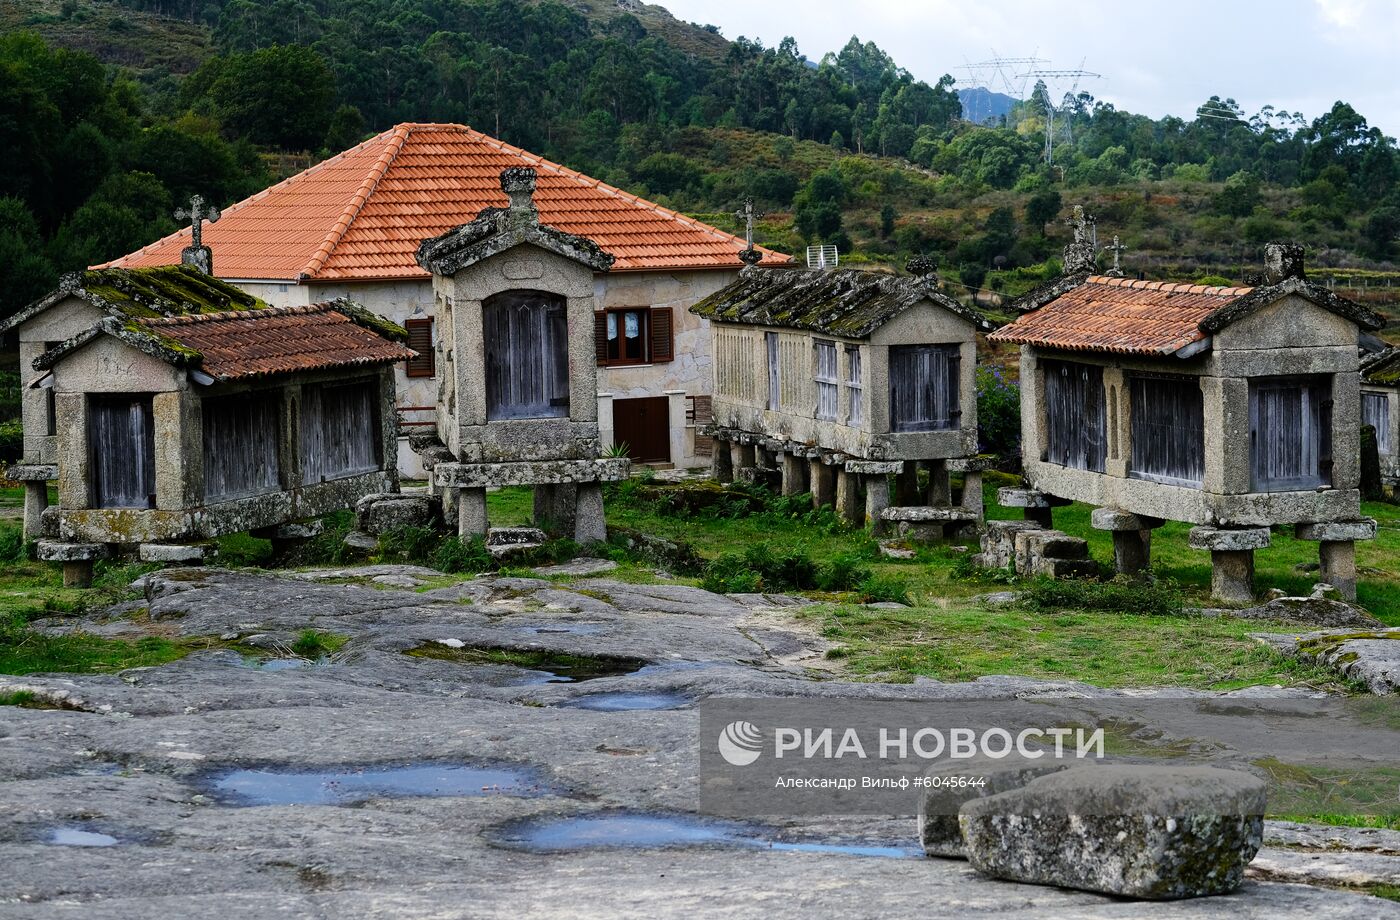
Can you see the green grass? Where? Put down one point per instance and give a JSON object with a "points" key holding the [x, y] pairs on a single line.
{"points": [[28, 651]]}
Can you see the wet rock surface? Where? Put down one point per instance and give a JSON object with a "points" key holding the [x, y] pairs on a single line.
{"points": [[137, 757]]}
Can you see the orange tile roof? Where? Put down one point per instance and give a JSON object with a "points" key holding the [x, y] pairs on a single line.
{"points": [[1119, 315], [361, 214], [239, 344]]}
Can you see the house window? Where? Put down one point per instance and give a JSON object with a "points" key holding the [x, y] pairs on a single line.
{"points": [[1375, 411], [1074, 417], [240, 444], [1290, 433], [123, 460], [924, 384], [1168, 430], [420, 339], [826, 378], [340, 430], [855, 408], [775, 393], [527, 356], [634, 335]]}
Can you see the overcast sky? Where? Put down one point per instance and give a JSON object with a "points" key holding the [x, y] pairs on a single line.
{"points": [[1156, 58]]}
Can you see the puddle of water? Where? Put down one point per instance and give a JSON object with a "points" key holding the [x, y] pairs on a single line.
{"points": [[660, 831], [536, 665], [283, 664], [580, 629], [74, 837], [624, 702], [347, 785]]}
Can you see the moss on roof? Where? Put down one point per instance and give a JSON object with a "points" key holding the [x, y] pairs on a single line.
{"points": [[1383, 368], [844, 302], [166, 290]]}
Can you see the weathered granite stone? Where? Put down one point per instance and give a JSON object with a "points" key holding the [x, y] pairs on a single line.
{"points": [[72, 552], [1115, 520], [874, 467], [1370, 656], [977, 464], [359, 540], [1317, 612], [385, 512], [1033, 546], [1219, 540], [32, 472], [926, 513], [999, 542], [1337, 531], [1143, 832], [580, 566], [531, 472], [1009, 497], [514, 536], [939, 832], [176, 553]]}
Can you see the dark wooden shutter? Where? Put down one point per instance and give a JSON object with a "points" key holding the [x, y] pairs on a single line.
{"points": [[600, 337], [420, 339], [662, 336]]}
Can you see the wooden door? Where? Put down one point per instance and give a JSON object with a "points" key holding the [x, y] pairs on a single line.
{"points": [[122, 439], [644, 426]]}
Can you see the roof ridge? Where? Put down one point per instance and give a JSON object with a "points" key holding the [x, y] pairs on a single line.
{"points": [[398, 136], [251, 199], [1170, 287], [254, 313], [607, 189]]}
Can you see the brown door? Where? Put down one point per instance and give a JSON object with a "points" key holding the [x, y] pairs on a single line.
{"points": [[644, 426]]}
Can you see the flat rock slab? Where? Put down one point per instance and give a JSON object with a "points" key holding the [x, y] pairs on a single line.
{"points": [[1369, 656], [578, 567], [1334, 868], [1156, 833]]}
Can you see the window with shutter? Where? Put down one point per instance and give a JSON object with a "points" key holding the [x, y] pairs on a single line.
{"points": [[420, 339], [1168, 429], [1375, 411], [663, 337], [925, 381]]}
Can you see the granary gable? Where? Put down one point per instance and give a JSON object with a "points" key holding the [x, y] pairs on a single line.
{"points": [[496, 230], [130, 294], [1382, 368], [247, 344], [844, 302]]}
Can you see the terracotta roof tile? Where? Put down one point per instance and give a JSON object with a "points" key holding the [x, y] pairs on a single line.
{"points": [[361, 214], [1118, 315], [277, 340]]}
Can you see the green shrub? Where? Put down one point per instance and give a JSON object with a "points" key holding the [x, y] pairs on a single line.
{"points": [[998, 413], [12, 545], [410, 543], [1121, 595], [328, 547], [314, 644], [843, 572], [879, 588], [455, 555], [244, 549], [11, 441], [729, 573]]}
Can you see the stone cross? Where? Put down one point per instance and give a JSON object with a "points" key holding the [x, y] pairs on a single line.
{"points": [[750, 255], [1117, 249], [1085, 229], [1079, 255], [196, 215]]}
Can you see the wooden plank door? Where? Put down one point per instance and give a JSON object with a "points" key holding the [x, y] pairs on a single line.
{"points": [[122, 439], [644, 426]]}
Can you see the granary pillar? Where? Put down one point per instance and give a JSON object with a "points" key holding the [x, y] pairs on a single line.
{"points": [[848, 506], [741, 457], [1132, 538], [77, 560], [555, 507], [451, 499], [1038, 506], [794, 474], [1336, 550], [972, 469], [35, 477], [939, 493], [823, 482], [1231, 559], [906, 484], [877, 499], [590, 525], [471, 513], [721, 461]]}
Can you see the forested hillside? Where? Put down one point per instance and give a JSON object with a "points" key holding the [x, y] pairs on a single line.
{"points": [[113, 112]]}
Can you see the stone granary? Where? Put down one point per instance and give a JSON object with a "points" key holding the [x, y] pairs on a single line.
{"points": [[1380, 407], [1231, 408], [517, 395], [350, 227], [842, 378], [173, 408]]}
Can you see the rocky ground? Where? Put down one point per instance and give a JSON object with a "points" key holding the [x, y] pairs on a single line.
{"points": [[140, 760]]}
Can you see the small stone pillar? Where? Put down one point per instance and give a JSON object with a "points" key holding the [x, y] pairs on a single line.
{"points": [[590, 525], [471, 514], [35, 477], [554, 508], [1038, 506], [877, 499], [906, 484], [1336, 550], [741, 458], [451, 497], [972, 469], [1132, 538], [794, 474], [721, 462], [939, 492], [823, 482], [1231, 559], [848, 498], [77, 560]]}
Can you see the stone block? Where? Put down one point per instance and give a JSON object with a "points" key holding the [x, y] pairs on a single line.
{"points": [[1236, 540], [531, 472], [874, 467], [928, 514], [590, 525], [999, 542], [978, 464], [32, 472], [1009, 497], [50, 551], [1064, 568], [175, 553], [1115, 520], [1337, 531], [1156, 833], [390, 512], [1317, 612], [361, 541], [939, 832], [514, 536]]}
